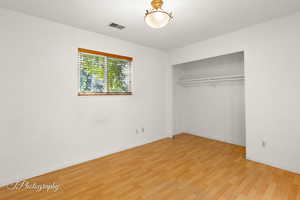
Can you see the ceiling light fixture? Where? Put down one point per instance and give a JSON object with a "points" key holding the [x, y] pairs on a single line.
{"points": [[157, 17]]}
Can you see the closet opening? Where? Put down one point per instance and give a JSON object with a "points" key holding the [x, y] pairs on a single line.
{"points": [[209, 98]]}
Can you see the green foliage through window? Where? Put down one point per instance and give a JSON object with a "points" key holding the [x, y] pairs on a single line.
{"points": [[101, 74]]}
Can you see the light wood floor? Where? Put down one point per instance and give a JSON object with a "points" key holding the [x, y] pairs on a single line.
{"points": [[186, 168]]}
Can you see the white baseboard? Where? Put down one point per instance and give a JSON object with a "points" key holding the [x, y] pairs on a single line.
{"points": [[278, 166]]}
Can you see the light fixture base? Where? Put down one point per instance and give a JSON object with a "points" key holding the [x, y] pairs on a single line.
{"points": [[156, 4]]}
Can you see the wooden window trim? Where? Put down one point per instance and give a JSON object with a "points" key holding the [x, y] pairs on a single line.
{"points": [[103, 93], [104, 54]]}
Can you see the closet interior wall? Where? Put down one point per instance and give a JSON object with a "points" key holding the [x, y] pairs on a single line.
{"points": [[209, 98]]}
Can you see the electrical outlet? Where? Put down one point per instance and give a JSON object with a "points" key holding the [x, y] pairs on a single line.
{"points": [[264, 144], [143, 130], [137, 131]]}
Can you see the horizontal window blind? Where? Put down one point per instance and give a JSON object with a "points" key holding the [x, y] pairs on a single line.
{"points": [[103, 73]]}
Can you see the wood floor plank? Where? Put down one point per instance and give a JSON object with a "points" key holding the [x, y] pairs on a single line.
{"points": [[185, 168]]}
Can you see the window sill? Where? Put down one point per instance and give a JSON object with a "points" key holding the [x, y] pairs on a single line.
{"points": [[103, 93]]}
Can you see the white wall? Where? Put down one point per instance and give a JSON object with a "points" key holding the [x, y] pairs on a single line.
{"points": [[272, 86], [44, 124], [214, 110], [178, 100]]}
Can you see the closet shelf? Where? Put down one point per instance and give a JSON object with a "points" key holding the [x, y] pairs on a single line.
{"points": [[198, 81]]}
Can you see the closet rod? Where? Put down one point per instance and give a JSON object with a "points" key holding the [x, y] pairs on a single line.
{"points": [[212, 78], [208, 80]]}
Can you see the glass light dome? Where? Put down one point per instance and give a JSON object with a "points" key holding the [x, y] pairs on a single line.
{"points": [[157, 18]]}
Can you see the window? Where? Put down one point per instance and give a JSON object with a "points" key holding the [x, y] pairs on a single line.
{"points": [[103, 73]]}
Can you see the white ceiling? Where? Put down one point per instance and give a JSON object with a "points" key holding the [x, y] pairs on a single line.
{"points": [[195, 20]]}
